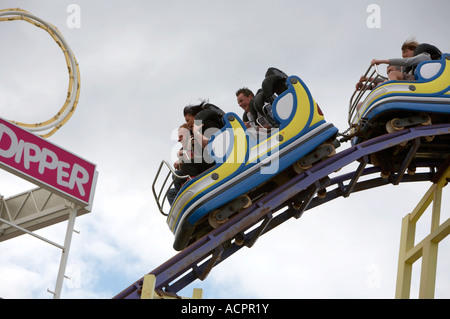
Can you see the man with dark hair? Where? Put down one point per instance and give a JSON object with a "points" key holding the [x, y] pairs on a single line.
{"points": [[244, 99]]}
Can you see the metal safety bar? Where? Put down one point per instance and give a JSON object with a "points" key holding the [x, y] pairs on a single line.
{"points": [[368, 84], [172, 173]]}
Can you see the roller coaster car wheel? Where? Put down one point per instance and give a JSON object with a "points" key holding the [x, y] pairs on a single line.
{"points": [[374, 160], [384, 174], [411, 170], [239, 239], [321, 152], [428, 122], [332, 152], [214, 221], [391, 126], [426, 119], [222, 215], [398, 124], [322, 193], [299, 168]]}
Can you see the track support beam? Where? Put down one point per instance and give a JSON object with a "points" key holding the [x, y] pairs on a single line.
{"points": [[428, 247]]}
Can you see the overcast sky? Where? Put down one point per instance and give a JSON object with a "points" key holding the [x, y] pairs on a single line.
{"points": [[141, 62]]}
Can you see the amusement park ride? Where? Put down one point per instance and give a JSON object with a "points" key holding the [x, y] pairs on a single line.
{"points": [[399, 132]]}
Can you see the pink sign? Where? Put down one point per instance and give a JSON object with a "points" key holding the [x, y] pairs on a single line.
{"points": [[41, 162]]}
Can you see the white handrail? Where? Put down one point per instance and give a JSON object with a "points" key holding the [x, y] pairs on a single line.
{"points": [[172, 173], [368, 83]]}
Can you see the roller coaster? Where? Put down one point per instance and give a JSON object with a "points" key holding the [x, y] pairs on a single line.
{"points": [[399, 132]]}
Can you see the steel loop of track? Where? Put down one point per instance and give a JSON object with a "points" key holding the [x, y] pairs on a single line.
{"points": [[73, 91]]}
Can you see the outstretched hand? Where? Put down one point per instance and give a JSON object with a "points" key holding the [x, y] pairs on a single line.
{"points": [[378, 62]]}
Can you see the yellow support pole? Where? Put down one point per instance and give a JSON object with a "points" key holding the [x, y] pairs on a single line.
{"points": [[148, 290], [148, 287], [404, 271], [427, 248]]}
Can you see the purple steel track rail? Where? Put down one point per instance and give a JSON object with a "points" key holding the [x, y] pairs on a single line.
{"points": [[197, 260]]}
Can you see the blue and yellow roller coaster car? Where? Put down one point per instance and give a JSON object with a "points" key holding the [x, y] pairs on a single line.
{"points": [[395, 105], [247, 165]]}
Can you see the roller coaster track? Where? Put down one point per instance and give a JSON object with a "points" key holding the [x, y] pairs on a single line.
{"points": [[197, 260]]}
